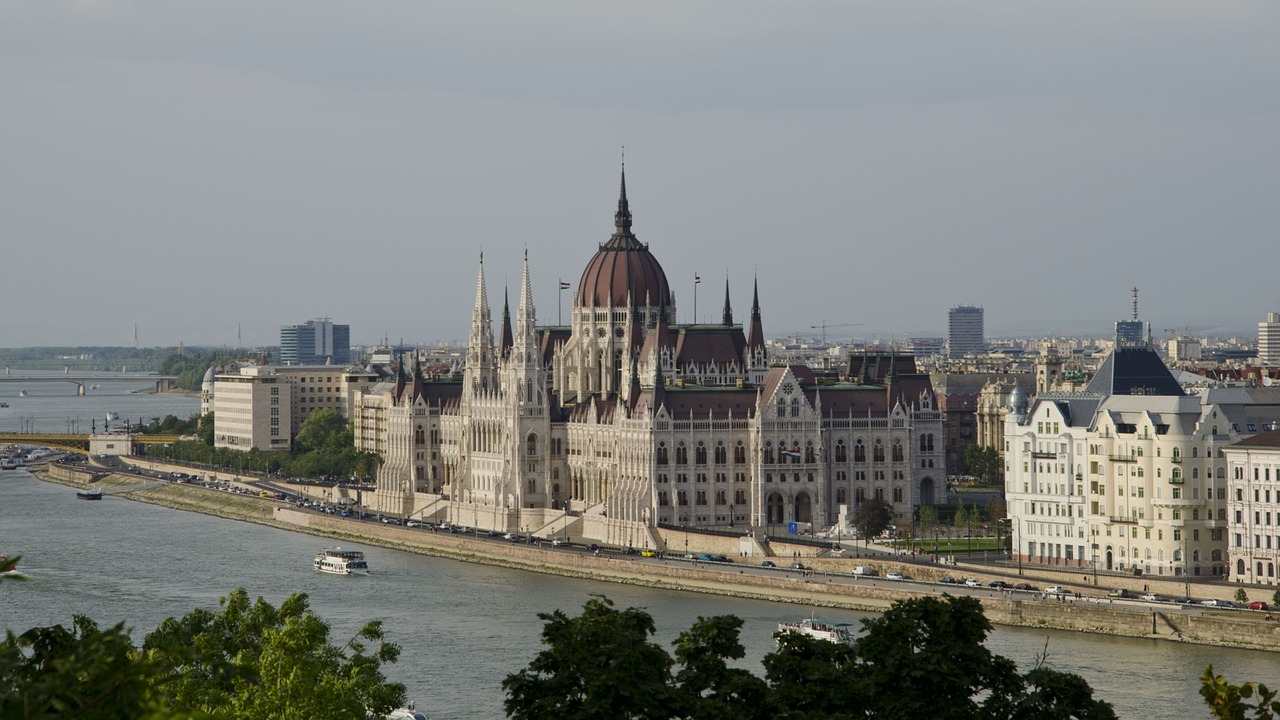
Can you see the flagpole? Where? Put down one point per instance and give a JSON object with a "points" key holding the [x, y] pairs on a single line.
{"points": [[696, 279]]}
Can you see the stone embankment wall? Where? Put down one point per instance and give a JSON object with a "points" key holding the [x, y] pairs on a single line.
{"points": [[79, 476]]}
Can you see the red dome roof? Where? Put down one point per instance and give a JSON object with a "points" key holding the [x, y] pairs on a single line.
{"points": [[623, 270]]}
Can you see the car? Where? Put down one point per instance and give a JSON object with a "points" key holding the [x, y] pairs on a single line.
{"points": [[411, 523], [648, 553], [1184, 600], [557, 542], [1151, 597], [863, 571], [593, 547], [720, 559], [895, 576], [948, 580], [797, 566], [970, 582], [511, 537], [628, 550], [1054, 590], [998, 584], [1025, 586], [1216, 603], [1259, 605], [1119, 593], [769, 563]]}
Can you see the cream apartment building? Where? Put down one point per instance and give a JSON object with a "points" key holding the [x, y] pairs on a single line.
{"points": [[1253, 489], [263, 406]]}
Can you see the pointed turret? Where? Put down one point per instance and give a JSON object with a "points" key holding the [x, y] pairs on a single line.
{"points": [[755, 337], [400, 378], [481, 364], [728, 311], [622, 218], [504, 341]]}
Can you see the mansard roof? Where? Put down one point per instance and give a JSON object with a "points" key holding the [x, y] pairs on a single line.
{"points": [[701, 403], [1265, 440], [878, 365], [550, 339]]}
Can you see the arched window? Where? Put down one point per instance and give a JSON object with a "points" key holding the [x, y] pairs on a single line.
{"points": [[859, 452], [419, 435], [700, 454], [1239, 563], [682, 455], [531, 445], [739, 453], [662, 453], [795, 407], [842, 454], [897, 451], [840, 496], [722, 455], [809, 453], [768, 452], [877, 453]]}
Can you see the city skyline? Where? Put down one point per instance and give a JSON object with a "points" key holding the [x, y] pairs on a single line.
{"points": [[194, 172]]}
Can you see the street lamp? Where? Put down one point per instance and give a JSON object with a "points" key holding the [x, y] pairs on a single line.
{"points": [[731, 516]]}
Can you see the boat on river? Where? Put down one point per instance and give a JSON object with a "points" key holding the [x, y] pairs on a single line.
{"points": [[839, 633], [337, 561], [89, 494]]}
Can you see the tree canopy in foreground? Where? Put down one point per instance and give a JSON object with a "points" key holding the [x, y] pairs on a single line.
{"points": [[924, 657], [247, 661]]}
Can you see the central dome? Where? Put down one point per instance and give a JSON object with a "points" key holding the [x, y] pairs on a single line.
{"points": [[623, 270]]}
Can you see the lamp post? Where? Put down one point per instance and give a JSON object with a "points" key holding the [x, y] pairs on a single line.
{"points": [[1018, 549], [731, 516]]}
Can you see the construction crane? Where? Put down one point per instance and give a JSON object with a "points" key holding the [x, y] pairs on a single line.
{"points": [[824, 325]]}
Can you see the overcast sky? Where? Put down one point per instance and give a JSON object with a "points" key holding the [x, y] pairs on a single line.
{"points": [[191, 166]]}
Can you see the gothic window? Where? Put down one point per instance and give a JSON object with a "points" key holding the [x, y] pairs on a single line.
{"points": [[662, 453], [859, 452], [842, 454], [795, 407], [662, 499], [740, 497], [721, 498], [880, 494], [722, 455], [419, 436], [859, 495], [702, 497], [739, 453], [808, 453], [531, 445], [841, 496], [897, 495], [877, 453], [768, 453], [682, 454], [700, 454], [897, 451], [682, 497], [782, 408]]}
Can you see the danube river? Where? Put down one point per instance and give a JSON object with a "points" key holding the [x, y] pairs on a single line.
{"points": [[51, 406], [463, 627]]}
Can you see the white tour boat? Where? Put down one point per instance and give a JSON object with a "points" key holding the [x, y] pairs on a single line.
{"points": [[337, 561], [817, 629]]}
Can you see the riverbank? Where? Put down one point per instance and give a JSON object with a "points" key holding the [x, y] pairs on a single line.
{"points": [[812, 589]]}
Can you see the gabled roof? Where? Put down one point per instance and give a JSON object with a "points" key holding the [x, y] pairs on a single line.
{"points": [[703, 344]]}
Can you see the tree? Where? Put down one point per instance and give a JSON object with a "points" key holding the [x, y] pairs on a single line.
{"points": [[928, 520], [324, 429], [600, 664], [872, 517], [79, 671], [1241, 595], [218, 662], [1275, 597], [707, 688], [1230, 702]]}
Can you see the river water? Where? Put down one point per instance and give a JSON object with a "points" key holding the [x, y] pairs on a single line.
{"points": [[463, 627], [54, 407]]}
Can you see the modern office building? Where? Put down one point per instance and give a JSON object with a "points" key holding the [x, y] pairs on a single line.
{"points": [[263, 406], [315, 342], [1269, 341], [965, 334]]}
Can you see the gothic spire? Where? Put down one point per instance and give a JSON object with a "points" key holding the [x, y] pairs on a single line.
{"points": [[504, 341], [755, 339], [728, 311], [622, 219]]}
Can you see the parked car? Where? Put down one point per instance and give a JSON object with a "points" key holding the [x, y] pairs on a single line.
{"points": [[1054, 590], [998, 584], [648, 553], [1259, 605], [768, 563], [1120, 593], [557, 542], [1184, 600], [1151, 597], [970, 582], [948, 580], [895, 576], [797, 566], [1216, 603], [1024, 586], [864, 571]]}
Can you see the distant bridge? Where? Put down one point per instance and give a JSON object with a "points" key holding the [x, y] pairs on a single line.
{"points": [[78, 443], [163, 382]]}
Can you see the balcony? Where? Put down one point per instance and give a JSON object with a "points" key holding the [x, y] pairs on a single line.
{"points": [[1178, 502], [1122, 458], [1040, 455], [1123, 520], [1176, 459]]}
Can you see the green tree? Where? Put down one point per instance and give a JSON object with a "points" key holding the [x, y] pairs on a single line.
{"points": [[872, 517], [1231, 702], [928, 520], [1241, 595], [221, 663], [80, 671], [598, 665], [1275, 597], [975, 461], [324, 429], [707, 688]]}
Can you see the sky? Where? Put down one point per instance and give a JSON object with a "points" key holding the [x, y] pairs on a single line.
{"points": [[198, 167]]}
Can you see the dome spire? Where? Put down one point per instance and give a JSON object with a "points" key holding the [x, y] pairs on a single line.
{"points": [[622, 219]]}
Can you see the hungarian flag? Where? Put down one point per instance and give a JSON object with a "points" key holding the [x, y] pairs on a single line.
{"points": [[564, 285], [793, 454], [697, 279]]}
